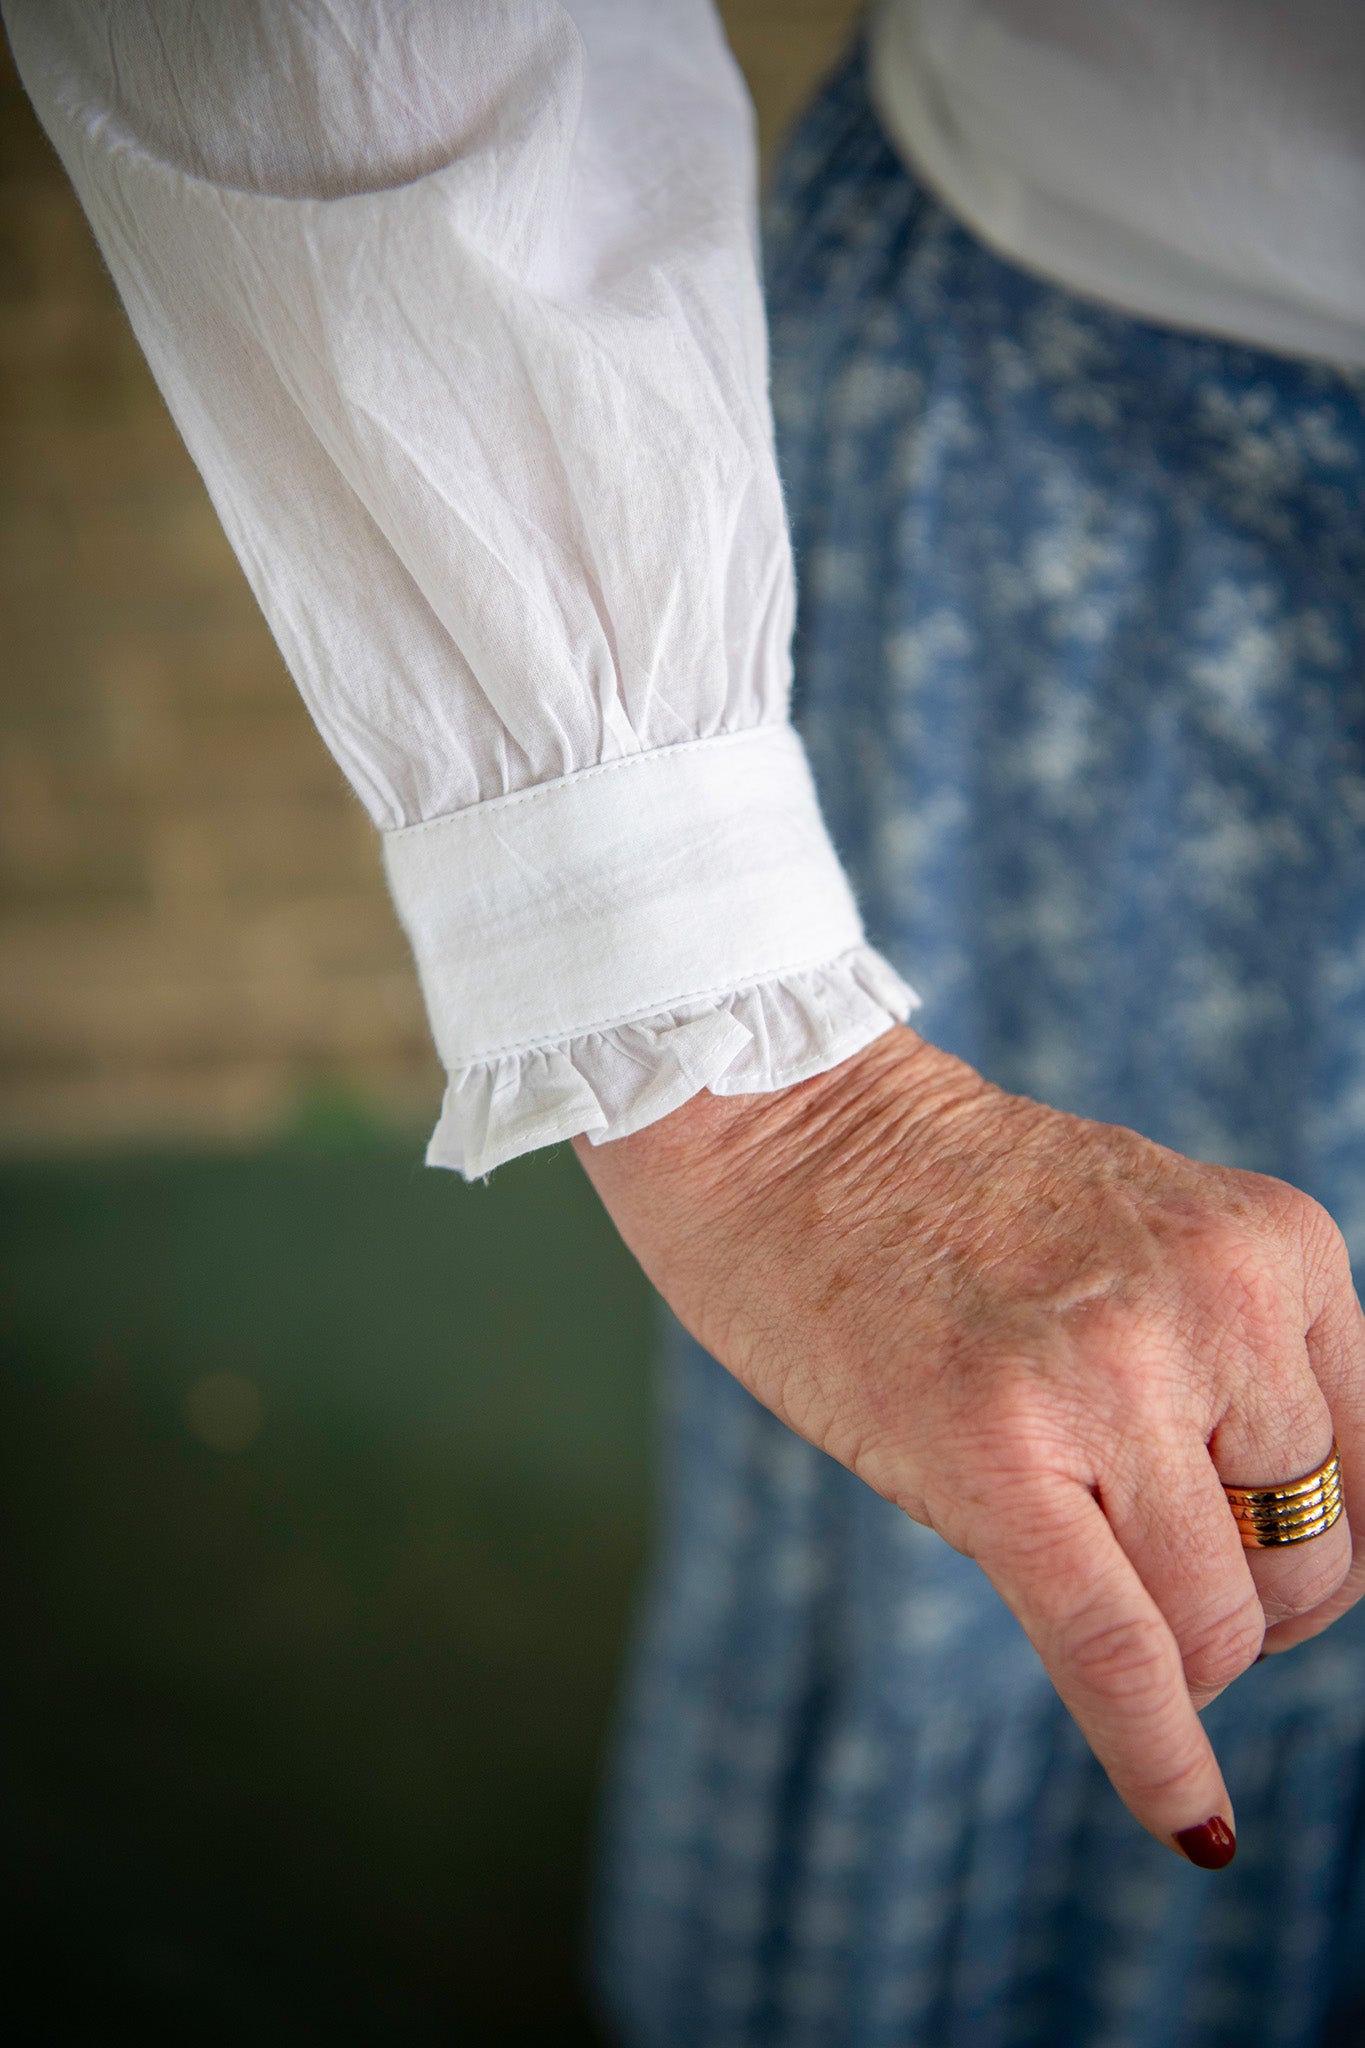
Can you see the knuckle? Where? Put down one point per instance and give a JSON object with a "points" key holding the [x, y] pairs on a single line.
{"points": [[1222, 1649], [1315, 1580], [1028, 1435], [1170, 1783], [1243, 1281], [1326, 1249], [1310, 1219], [1305, 1231], [1125, 1662]]}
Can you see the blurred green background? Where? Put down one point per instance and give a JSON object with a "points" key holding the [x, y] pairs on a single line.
{"points": [[324, 1480], [322, 1502]]}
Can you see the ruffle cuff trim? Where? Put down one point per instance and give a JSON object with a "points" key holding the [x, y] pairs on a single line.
{"points": [[610, 1082]]}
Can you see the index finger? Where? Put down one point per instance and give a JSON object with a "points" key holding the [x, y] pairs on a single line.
{"points": [[1113, 1659]]}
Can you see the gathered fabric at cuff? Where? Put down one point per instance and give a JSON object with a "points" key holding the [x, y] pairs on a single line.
{"points": [[596, 950]]}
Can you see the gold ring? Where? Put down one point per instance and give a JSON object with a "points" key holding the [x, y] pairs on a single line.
{"points": [[1267, 1516]]}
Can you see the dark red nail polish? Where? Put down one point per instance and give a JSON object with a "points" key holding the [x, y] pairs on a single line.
{"points": [[1210, 1846]]}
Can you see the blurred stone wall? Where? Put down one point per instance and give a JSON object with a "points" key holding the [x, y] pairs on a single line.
{"points": [[195, 938]]}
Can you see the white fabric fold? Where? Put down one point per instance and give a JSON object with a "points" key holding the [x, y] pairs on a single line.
{"points": [[612, 1082]]}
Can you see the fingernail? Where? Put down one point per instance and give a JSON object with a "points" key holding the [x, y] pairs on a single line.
{"points": [[1210, 1846]]}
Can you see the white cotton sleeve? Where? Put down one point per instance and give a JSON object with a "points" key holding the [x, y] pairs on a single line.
{"points": [[457, 308]]}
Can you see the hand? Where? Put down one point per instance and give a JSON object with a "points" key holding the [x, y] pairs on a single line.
{"points": [[1044, 1338]]}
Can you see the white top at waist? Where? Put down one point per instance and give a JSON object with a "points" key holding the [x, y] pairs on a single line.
{"points": [[1195, 162]]}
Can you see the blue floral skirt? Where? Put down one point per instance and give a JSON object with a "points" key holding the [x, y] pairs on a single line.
{"points": [[1081, 664]]}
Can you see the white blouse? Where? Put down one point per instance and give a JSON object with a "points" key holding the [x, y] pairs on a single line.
{"points": [[456, 305]]}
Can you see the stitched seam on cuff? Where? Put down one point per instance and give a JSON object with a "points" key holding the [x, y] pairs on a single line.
{"points": [[657, 1009], [653, 757]]}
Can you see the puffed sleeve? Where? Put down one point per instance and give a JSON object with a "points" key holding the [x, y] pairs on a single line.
{"points": [[456, 305]]}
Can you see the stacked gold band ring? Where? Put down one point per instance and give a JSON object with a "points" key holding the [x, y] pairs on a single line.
{"points": [[1268, 1516]]}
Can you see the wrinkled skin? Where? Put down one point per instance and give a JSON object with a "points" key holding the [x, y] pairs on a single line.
{"points": [[1046, 1339]]}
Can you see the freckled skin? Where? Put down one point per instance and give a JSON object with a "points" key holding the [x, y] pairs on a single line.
{"points": [[1046, 1339]]}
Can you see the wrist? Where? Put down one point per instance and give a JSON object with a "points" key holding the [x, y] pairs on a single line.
{"points": [[842, 1126]]}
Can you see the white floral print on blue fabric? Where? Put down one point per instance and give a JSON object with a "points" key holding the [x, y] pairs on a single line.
{"points": [[1081, 664]]}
